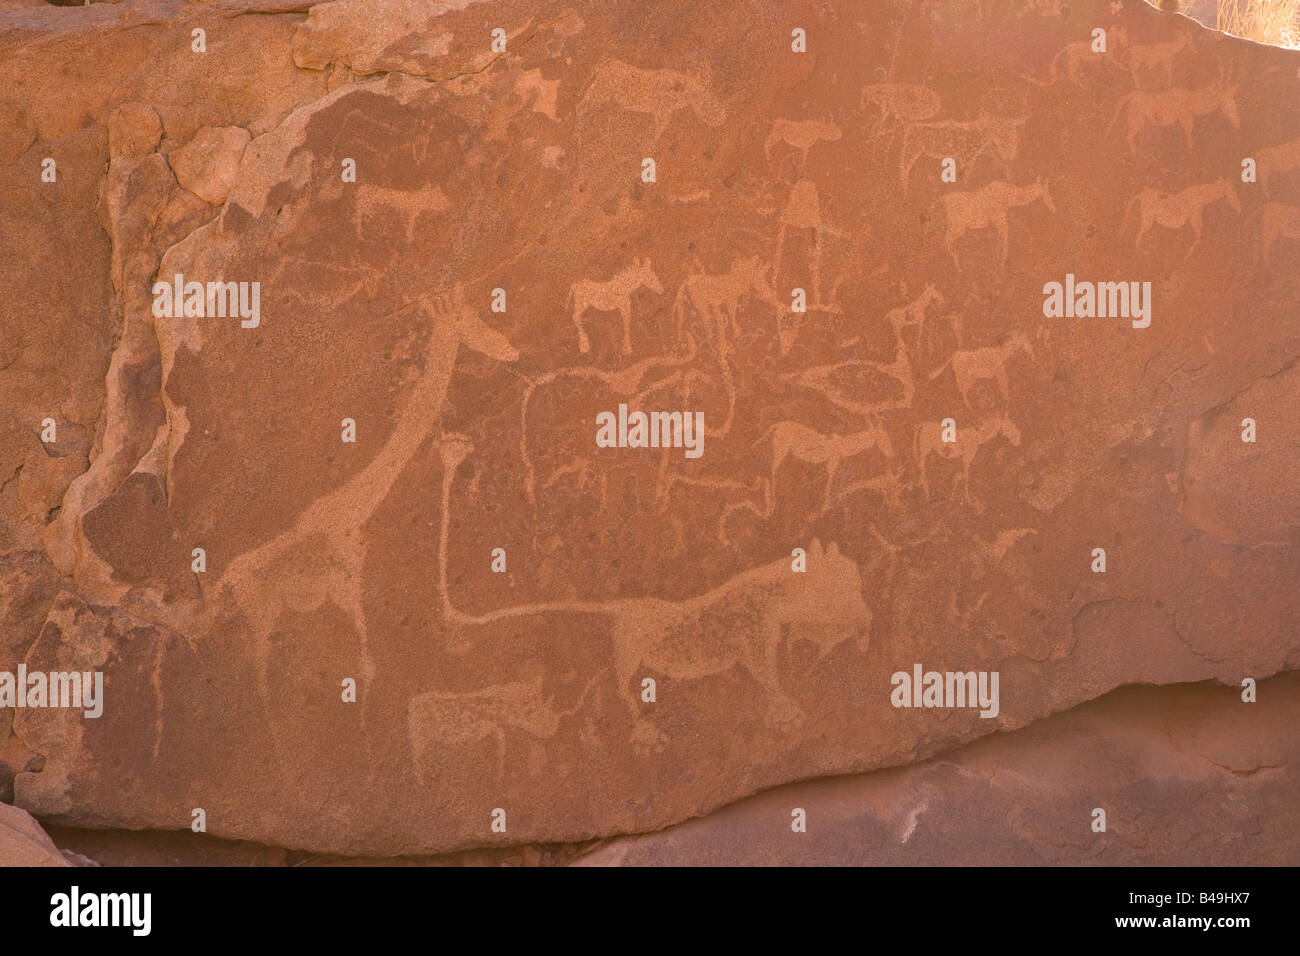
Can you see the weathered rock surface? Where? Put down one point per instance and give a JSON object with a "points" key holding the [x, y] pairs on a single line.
{"points": [[521, 170], [162, 848], [208, 165], [24, 843], [1187, 776]]}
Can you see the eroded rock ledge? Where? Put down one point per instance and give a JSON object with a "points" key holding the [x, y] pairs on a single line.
{"points": [[1187, 775]]}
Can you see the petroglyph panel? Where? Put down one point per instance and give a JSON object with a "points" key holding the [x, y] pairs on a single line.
{"points": [[394, 478]]}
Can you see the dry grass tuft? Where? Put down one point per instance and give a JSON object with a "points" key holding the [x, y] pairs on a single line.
{"points": [[1268, 21]]}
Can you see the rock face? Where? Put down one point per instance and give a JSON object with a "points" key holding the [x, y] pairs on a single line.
{"points": [[361, 572], [24, 843], [208, 165], [1185, 775]]}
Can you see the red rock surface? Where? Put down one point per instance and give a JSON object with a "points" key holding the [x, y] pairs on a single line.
{"points": [[24, 843], [521, 170], [1186, 775]]}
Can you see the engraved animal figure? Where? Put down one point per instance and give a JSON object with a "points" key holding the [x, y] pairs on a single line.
{"points": [[1074, 55], [1145, 56], [963, 140], [1143, 108], [989, 206], [827, 379], [657, 93], [811, 447], [1277, 159], [1277, 221], [913, 314], [1181, 209], [803, 135], [612, 295], [814, 448], [971, 365], [716, 297], [371, 202], [321, 558], [624, 383], [742, 622], [452, 718], [903, 102], [970, 439]]}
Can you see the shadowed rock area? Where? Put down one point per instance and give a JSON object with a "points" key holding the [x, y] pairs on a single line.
{"points": [[496, 584]]}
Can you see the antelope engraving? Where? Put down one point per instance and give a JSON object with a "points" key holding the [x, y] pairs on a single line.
{"points": [[803, 135], [970, 439], [987, 207], [656, 93], [971, 365], [371, 202], [612, 295], [1174, 211], [1143, 108], [963, 140], [717, 297], [1146, 56], [1073, 56], [791, 439], [913, 313], [901, 102]]}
